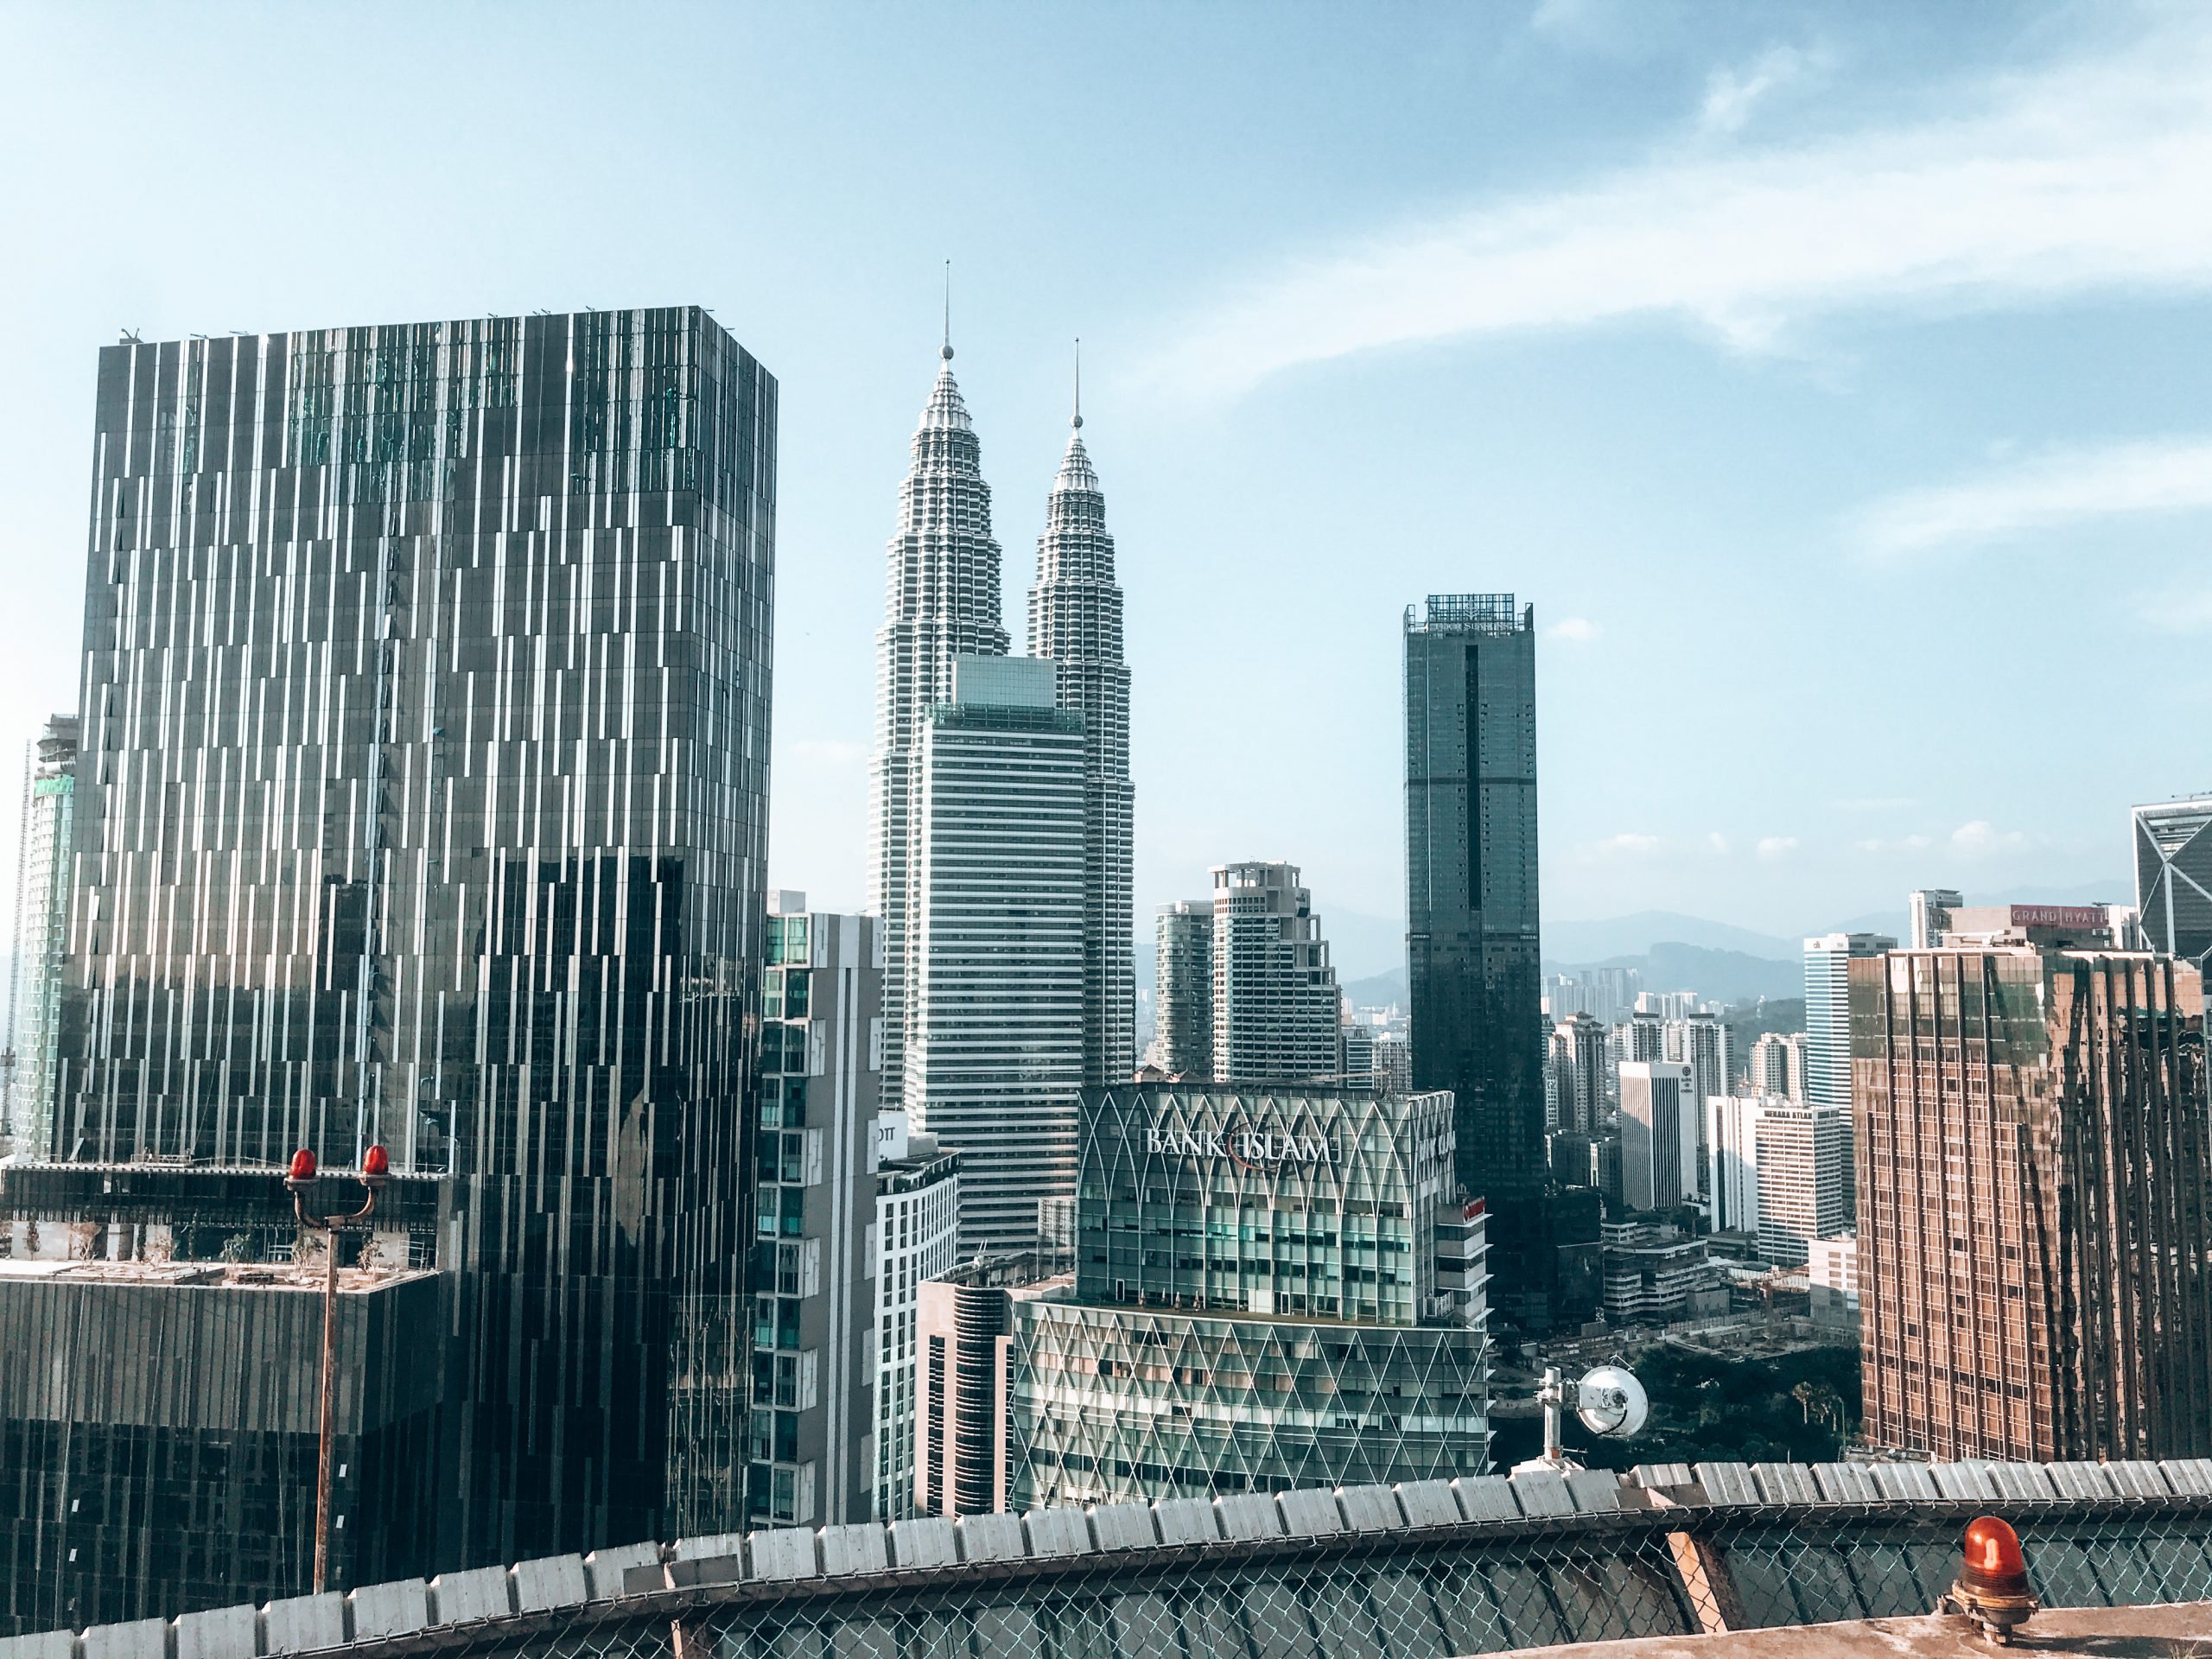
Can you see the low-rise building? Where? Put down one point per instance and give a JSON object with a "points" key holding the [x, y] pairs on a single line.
{"points": [[1654, 1274]]}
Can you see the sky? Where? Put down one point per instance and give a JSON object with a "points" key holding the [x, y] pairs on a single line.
{"points": [[1831, 377]]}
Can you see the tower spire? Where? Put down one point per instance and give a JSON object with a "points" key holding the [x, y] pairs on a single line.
{"points": [[947, 352], [1078, 382]]}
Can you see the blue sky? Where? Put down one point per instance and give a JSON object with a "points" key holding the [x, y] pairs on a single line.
{"points": [[1832, 378]]}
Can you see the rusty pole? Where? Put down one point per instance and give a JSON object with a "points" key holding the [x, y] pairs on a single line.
{"points": [[329, 1391], [303, 1174]]}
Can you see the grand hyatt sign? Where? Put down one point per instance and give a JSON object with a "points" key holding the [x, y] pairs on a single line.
{"points": [[1261, 1149]]}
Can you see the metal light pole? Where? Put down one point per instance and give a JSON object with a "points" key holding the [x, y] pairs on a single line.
{"points": [[376, 1169]]}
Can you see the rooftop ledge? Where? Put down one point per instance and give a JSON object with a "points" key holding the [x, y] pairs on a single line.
{"points": [[1684, 1559]]}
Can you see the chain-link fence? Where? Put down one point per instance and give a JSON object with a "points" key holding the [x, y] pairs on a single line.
{"points": [[1427, 1570]]}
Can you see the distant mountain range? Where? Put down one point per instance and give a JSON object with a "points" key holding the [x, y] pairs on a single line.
{"points": [[1675, 952]]}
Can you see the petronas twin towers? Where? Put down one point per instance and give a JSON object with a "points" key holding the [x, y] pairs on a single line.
{"points": [[1003, 824]]}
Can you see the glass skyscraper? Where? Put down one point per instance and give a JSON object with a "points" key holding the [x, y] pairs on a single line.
{"points": [[424, 801], [1828, 957], [2173, 877], [1472, 953]]}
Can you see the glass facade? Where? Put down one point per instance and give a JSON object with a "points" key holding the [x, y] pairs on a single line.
{"points": [[1473, 955], [2035, 1252], [423, 801], [1272, 1287]]}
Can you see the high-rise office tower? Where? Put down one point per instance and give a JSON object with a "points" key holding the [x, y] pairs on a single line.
{"points": [[1659, 1135], [1700, 1041], [2173, 877], [942, 602], [1776, 1064], [1275, 993], [49, 865], [1182, 1044], [2035, 1250], [1225, 1359], [1643, 1036], [1828, 957], [851, 1210], [1473, 955], [1583, 1058], [1732, 1139], [1929, 913], [993, 1057], [1802, 1176], [1075, 619], [423, 802], [917, 1239]]}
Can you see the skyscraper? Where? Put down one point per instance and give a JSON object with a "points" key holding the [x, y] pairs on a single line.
{"points": [[1659, 1135], [1075, 619], [993, 1057], [1471, 946], [2035, 1249], [2173, 877], [1275, 993], [1731, 1139], [814, 1336], [1828, 957], [942, 602], [426, 713], [1191, 1357], [1803, 1177], [1776, 1064], [1182, 1045], [1929, 913], [1584, 1061], [42, 933], [1700, 1041]]}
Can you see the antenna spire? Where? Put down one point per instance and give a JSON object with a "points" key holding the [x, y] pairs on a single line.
{"points": [[947, 352], [1078, 382]]}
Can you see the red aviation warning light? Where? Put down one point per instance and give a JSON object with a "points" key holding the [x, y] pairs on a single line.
{"points": [[376, 1166], [302, 1170], [1992, 1588]]}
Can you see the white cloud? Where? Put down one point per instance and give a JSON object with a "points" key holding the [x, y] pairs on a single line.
{"points": [[2157, 475], [1893, 844], [1730, 93], [1578, 629], [1979, 838], [1628, 844], [2180, 612], [1773, 847], [1718, 842], [2081, 175]]}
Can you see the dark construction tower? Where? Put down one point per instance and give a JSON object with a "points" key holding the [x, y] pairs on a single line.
{"points": [[1471, 908], [424, 801]]}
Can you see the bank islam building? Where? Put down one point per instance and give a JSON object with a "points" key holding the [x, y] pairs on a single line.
{"points": [[1274, 1288]]}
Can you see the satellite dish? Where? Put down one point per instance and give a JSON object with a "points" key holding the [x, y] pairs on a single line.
{"points": [[1611, 1402]]}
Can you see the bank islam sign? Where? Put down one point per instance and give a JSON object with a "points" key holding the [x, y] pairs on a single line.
{"points": [[1260, 1149]]}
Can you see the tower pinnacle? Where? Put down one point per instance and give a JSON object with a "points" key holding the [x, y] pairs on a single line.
{"points": [[1078, 382], [947, 352]]}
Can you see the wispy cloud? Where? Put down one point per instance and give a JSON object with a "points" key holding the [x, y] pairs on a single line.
{"points": [[1979, 838], [1580, 630], [1730, 94], [1880, 844], [2180, 612], [1773, 847], [1629, 843], [2081, 175], [2159, 475]]}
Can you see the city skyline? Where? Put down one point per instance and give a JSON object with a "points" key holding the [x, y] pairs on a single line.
{"points": [[1775, 485]]}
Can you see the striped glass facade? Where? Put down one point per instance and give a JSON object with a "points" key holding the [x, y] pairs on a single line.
{"points": [[424, 801]]}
